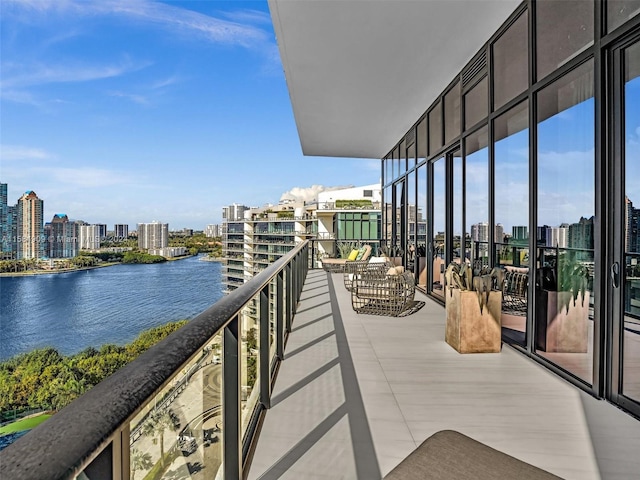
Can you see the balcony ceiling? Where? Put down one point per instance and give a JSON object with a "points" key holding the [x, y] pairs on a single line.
{"points": [[360, 73]]}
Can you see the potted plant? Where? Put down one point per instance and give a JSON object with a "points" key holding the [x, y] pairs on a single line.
{"points": [[473, 300], [562, 305]]}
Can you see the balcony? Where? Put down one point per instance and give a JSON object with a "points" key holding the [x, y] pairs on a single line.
{"points": [[353, 396]]}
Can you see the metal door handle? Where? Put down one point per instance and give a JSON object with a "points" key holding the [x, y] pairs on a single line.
{"points": [[615, 275]]}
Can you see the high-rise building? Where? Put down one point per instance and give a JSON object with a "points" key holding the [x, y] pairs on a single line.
{"points": [[234, 213], [267, 233], [213, 230], [632, 227], [102, 229], [62, 237], [121, 231], [519, 233], [7, 225], [581, 234], [89, 237], [557, 237], [153, 235], [30, 238]]}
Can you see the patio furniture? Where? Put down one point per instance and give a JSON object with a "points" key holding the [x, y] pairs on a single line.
{"points": [[355, 268], [450, 455], [336, 265], [375, 292], [514, 293]]}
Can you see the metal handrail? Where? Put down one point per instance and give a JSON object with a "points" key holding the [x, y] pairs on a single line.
{"points": [[97, 423]]}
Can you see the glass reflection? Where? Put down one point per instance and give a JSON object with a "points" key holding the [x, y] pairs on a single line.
{"points": [[412, 227], [457, 206], [631, 284], [421, 242], [439, 222], [249, 360], [511, 238], [566, 209], [477, 197], [179, 433]]}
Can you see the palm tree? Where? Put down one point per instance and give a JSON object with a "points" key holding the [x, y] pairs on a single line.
{"points": [[156, 425], [139, 461]]}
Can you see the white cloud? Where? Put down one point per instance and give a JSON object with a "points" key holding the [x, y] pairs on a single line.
{"points": [[86, 177], [308, 194], [16, 76], [152, 12], [139, 99], [20, 152]]}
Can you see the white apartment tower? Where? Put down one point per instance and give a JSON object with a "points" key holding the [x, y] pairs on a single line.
{"points": [[153, 235]]}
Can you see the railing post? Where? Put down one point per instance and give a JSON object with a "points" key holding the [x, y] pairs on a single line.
{"points": [[231, 421], [280, 314], [289, 305], [264, 348], [294, 285]]}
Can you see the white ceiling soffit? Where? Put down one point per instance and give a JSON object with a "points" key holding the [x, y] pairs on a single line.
{"points": [[361, 72]]}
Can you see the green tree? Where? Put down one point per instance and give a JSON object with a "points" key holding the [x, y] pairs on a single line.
{"points": [[139, 461], [157, 425]]}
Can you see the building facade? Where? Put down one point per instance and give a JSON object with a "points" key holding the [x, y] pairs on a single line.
{"points": [[530, 119], [121, 231], [7, 226], [234, 213], [88, 236], [532, 105], [213, 230], [30, 240], [153, 235], [62, 237]]}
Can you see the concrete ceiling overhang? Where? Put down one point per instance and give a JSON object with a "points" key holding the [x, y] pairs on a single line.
{"points": [[361, 72]]}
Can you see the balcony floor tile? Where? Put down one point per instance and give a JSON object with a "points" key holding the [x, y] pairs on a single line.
{"points": [[357, 393]]}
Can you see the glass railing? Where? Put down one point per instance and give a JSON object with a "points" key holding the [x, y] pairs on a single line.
{"points": [[188, 407]]}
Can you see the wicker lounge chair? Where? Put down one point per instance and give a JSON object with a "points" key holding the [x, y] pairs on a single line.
{"points": [[379, 293], [355, 268], [336, 265]]}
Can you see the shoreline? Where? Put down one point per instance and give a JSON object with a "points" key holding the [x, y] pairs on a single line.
{"points": [[32, 273]]}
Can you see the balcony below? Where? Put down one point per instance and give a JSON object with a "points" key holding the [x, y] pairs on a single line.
{"points": [[356, 394]]}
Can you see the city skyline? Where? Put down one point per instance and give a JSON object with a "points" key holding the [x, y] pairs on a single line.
{"points": [[153, 122]]}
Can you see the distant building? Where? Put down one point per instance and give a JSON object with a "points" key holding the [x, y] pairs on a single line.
{"points": [[30, 232], [265, 234], [234, 213], [153, 235], [632, 228], [213, 231], [557, 237], [62, 241], [7, 226], [102, 230], [168, 252], [121, 231], [519, 233], [581, 234], [88, 237]]}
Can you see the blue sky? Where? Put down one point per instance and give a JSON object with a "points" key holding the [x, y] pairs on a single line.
{"points": [[127, 111]]}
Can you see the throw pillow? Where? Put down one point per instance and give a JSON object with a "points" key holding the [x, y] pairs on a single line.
{"points": [[361, 253], [353, 254]]}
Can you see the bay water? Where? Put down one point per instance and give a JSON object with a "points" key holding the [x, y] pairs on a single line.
{"points": [[75, 310]]}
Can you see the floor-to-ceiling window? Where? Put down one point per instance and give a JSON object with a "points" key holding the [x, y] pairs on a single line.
{"points": [[438, 226], [566, 214], [511, 213], [477, 196], [535, 191]]}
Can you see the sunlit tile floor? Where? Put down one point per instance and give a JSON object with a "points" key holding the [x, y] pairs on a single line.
{"points": [[357, 393]]}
